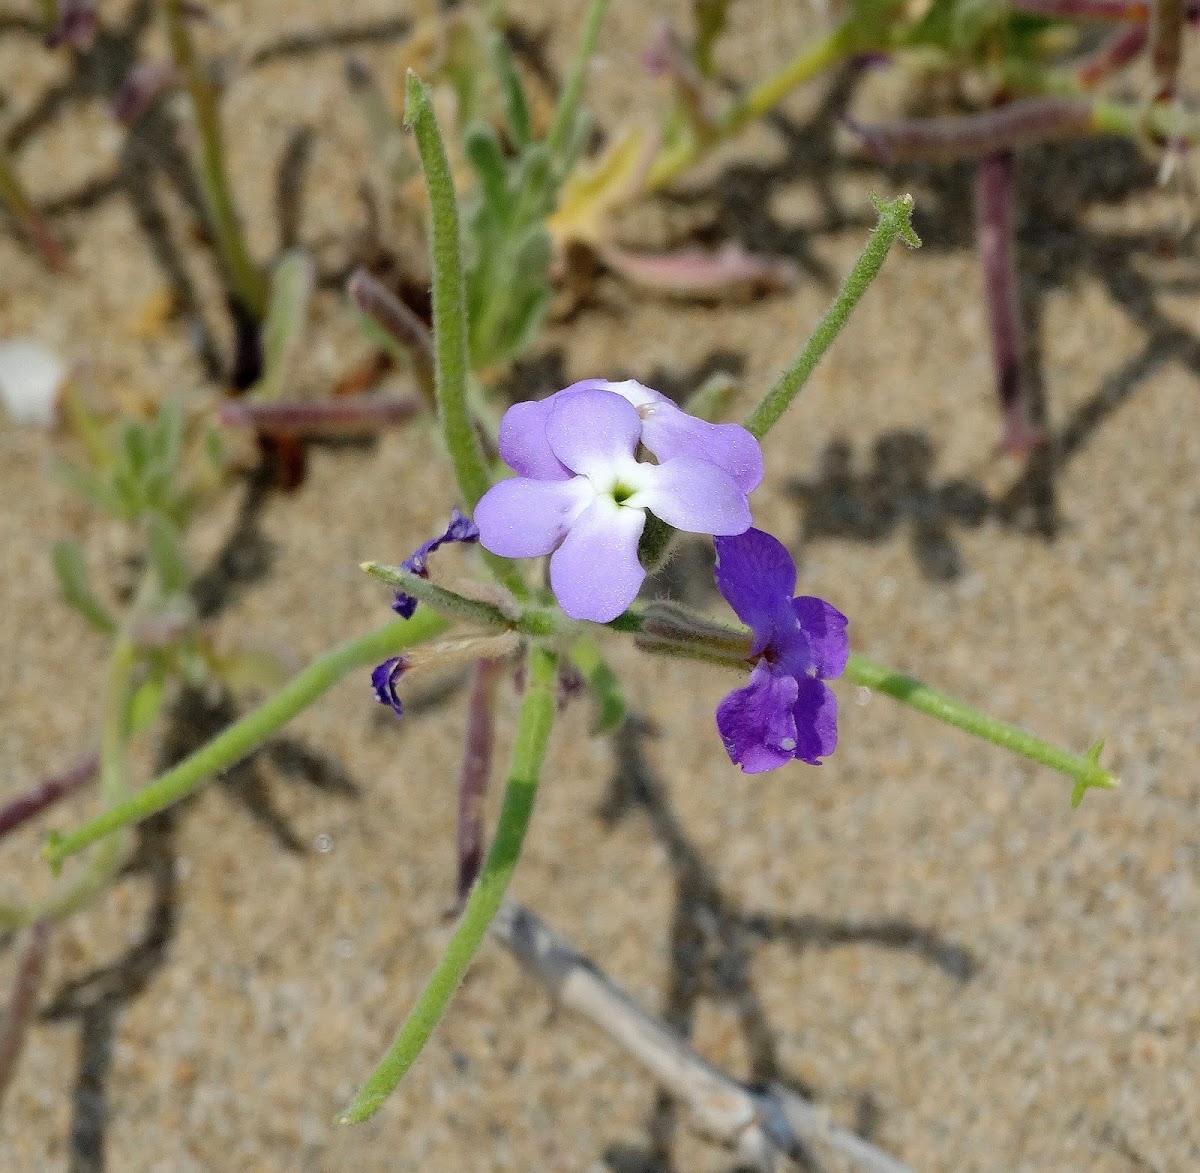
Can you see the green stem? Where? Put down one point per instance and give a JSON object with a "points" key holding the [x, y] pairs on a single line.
{"points": [[568, 102], [895, 220], [529, 749], [248, 283], [251, 731], [1085, 769], [810, 61], [109, 856], [451, 356]]}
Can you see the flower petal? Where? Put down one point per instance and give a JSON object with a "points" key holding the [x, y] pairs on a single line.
{"points": [[815, 719], [825, 627], [523, 518], [757, 576], [595, 574], [757, 724], [668, 432], [590, 431], [523, 444], [694, 495]]}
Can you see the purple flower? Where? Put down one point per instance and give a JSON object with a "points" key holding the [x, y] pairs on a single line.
{"points": [[785, 711], [383, 679], [581, 494], [460, 529]]}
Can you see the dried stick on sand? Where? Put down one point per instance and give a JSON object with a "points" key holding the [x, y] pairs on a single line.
{"points": [[759, 1126]]}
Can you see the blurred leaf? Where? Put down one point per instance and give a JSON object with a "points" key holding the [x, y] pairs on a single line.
{"points": [[146, 702], [512, 92], [697, 273], [292, 282], [712, 400], [591, 194], [87, 428], [167, 436], [137, 447], [711, 18], [99, 491], [490, 167], [387, 136], [604, 683], [251, 668], [165, 544], [73, 581]]}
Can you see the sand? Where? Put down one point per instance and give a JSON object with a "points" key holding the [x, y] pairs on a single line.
{"points": [[921, 934]]}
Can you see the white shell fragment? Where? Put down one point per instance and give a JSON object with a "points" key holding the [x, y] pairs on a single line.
{"points": [[31, 377]]}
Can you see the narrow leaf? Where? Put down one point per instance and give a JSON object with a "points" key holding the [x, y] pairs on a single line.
{"points": [[76, 589]]}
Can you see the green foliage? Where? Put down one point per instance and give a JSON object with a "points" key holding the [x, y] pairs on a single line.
{"points": [[76, 588]]}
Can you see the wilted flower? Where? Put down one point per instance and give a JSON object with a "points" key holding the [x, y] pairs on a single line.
{"points": [[786, 711], [460, 529], [383, 679], [581, 493]]}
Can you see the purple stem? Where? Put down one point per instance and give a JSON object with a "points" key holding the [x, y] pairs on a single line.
{"points": [[46, 794], [1019, 124], [1112, 55], [474, 775], [994, 233], [346, 415], [388, 312], [22, 1003], [1166, 45]]}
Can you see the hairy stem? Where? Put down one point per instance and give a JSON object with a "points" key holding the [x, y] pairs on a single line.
{"points": [[529, 749], [895, 220], [449, 298], [251, 731], [473, 776], [1083, 768]]}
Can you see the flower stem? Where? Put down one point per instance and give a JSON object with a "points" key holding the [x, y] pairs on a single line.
{"points": [[568, 102], [449, 297], [895, 220], [810, 61], [1085, 768], [529, 748], [248, 284], [251, 731]]}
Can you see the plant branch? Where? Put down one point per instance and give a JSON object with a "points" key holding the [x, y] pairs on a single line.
{"points": [[529, 748], [245, 735], [895, 220]]}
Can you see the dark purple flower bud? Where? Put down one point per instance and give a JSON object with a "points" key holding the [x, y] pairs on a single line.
{"points": [[460, 529], [383, 680], [786, 712]]}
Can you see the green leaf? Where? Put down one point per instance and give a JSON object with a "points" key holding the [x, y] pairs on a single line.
{"points": [[487, 160], [76, 589], [165, 545], [146, 702], [89, 486], [512, 92], [292, 282]]}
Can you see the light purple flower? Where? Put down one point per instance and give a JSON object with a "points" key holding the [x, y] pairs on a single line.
{"points": [[460, 529], [786, 711], [581, 494]]}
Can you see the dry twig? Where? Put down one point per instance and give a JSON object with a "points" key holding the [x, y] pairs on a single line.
{"points": [[759, 1126]]}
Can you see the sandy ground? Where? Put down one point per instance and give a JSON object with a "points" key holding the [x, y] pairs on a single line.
{"points": [[921, 934]]}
